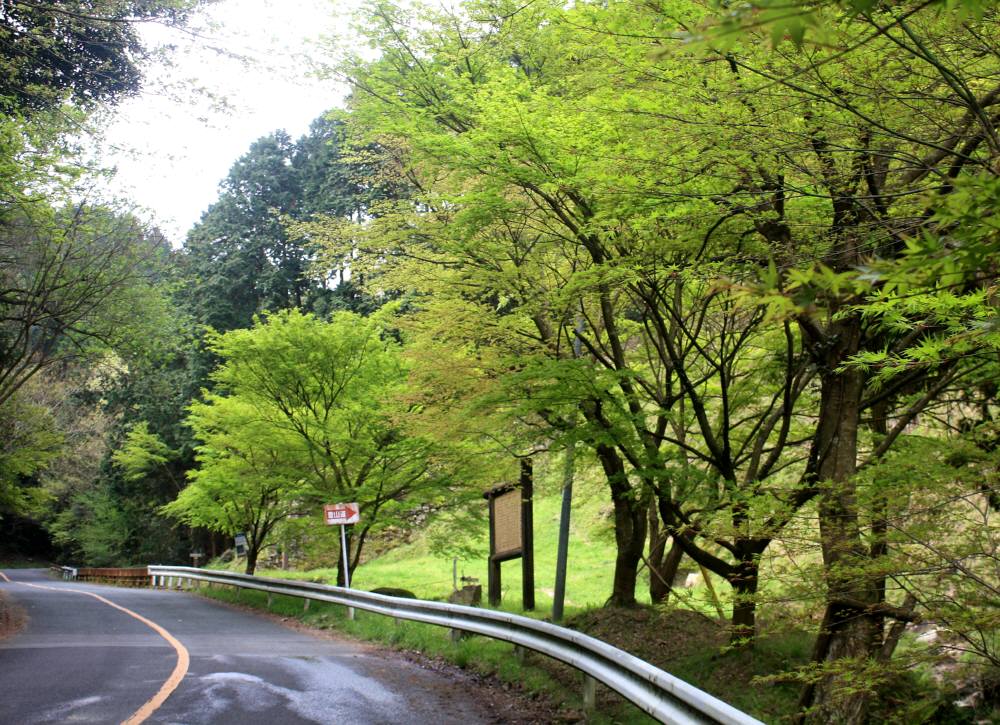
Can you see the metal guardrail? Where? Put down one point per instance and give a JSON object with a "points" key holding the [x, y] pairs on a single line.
{"points": [[66, 572], [659, 693]]}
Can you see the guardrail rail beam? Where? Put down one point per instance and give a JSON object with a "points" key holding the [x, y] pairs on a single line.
{"points": [[665, 697]]}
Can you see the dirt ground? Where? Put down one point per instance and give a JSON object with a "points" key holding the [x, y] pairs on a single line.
{"points": [[656, 636]]}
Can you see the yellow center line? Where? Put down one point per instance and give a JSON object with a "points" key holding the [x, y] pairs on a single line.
{"points": [[172, 682]]}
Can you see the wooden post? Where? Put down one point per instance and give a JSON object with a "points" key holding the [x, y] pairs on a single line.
{"points": [[493, 582], [270, 600], [589, 693], [305, 605], [493, 566], [527, 537]]}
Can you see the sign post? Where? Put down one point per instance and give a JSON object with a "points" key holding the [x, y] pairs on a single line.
{"points": [[342, 514]]}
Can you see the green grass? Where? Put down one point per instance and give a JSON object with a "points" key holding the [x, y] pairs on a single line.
{"points": [[591, 560], [590, 567]]}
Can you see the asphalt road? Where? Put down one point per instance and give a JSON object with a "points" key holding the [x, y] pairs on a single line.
{"points": [[81, 660]]}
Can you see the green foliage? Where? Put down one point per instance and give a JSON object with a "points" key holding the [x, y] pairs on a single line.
{"points": [[745, 240], [89, 52], [304, 414], [142, 452], [240, 261], [29, 441], [744, 256], [74, 286], [96, 526], [812, 23], [240, 258]]}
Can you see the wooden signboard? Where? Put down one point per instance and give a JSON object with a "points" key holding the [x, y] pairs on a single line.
{"points": [[511, 535], [507, 524]]}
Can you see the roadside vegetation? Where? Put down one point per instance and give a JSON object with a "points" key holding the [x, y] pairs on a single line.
{"points": [[731, 269], [685, 635]]}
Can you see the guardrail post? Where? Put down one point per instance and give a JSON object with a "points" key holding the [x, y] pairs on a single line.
{"points": [[589, 693], [519, 653], [305, 605], [270, 600]]}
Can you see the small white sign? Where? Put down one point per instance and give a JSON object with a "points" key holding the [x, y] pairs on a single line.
{"points": [[341, 514]]}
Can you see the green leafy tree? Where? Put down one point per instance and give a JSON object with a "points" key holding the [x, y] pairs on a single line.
{"points": [[71, 284], [85, 51], [578, 163], [247, 479], [326, 391], [30, 442], [240, 260]]}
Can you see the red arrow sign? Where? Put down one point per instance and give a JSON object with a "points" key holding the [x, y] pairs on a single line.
{"points": [[341, 514]]}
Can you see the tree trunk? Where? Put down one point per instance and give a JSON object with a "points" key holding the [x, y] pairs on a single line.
{"points": [[253, 551], [849, 646], [630, 538], [630, 528], [850, 632], [743, 625], [661, 578]]}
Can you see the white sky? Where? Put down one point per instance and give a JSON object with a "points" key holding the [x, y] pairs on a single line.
{"points": [[172, 147]]}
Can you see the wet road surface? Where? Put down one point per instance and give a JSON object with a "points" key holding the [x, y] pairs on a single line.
{"points": [[80, 660]]}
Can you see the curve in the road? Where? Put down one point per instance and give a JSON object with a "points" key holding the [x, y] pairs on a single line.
{"points": [[171, 683]]}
